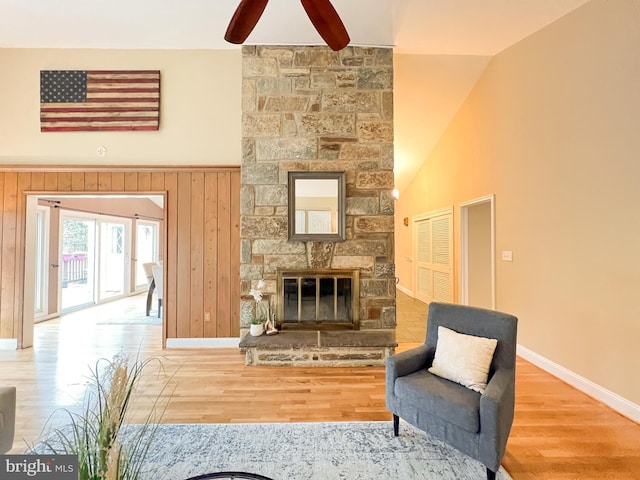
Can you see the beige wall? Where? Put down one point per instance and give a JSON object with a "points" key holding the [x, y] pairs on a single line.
{"points": [[552, 129], [199, 109]]}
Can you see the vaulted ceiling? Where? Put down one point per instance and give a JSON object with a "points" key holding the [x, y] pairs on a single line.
{"points": [[455, 39]]}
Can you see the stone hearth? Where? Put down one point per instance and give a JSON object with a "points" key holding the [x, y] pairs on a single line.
{"points": [[319, 348]]}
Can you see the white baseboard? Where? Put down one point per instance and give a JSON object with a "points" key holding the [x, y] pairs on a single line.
{"points": [[202, 342], [8, 343], [613, 400], [404, 290]]}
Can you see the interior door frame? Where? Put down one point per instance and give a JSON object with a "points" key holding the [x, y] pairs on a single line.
{"points": [[464, 247], [42, 258], [28, 288]]}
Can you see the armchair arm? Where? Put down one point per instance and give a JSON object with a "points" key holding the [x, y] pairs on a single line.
{"points": [[407, 362], [496, 413]]}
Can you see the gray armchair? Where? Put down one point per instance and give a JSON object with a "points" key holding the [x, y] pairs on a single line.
{"points": [[476, 424], [7, 417]]}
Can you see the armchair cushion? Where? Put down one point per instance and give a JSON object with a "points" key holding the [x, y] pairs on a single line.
{"points": [[464, 359], [441, 398]]}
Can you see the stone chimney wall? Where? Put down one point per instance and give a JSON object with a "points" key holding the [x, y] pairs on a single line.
{"points": [[308, 108]]}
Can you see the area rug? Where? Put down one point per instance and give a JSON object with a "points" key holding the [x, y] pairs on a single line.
{"points": [[132, 320], [308, 451]]}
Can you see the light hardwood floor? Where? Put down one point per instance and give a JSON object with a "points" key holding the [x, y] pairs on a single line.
{"points": [[558, 432]]}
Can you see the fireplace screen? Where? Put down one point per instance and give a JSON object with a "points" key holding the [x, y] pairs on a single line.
{"points": [[312, 300]]}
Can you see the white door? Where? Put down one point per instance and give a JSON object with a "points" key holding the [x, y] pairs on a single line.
{"points": [[114, 257], [77, 261], [147, 247], [433, 247], [40, 303]]}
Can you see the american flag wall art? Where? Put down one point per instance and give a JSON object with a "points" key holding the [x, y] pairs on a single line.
{"points": [[99, 100]]}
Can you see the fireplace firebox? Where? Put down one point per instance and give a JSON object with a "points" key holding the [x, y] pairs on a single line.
{"points": [[318, 299]]}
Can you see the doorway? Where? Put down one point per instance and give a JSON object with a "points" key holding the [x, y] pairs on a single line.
{"points": [[84, 249], [477, 252]]}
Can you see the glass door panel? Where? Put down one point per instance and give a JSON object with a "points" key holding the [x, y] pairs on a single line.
{"points": [[146, 249], [113, 259], [78, 260]]}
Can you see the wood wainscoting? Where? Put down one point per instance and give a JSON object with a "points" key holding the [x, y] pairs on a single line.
{"points": [[202, 232]]}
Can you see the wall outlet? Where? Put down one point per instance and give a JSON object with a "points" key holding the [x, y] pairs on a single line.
{"points": [[207, 317], [507, 256]]}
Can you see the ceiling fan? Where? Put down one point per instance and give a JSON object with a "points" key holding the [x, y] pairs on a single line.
{"points": [[324, 17]]}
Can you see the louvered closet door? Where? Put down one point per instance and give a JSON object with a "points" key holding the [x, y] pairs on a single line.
{"points": [[434, 260]]}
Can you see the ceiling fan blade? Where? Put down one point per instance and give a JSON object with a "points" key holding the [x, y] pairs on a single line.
{"points": [[327, 22], [244, 20]]}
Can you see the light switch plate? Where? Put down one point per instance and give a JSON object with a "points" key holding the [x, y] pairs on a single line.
{"points": [[507, 256]]}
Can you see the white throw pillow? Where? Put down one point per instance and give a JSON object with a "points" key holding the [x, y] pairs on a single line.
{"points": [[464, 359]]}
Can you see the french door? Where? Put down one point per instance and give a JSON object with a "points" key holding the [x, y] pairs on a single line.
{"points": [[95, 259], [433, 251], [113, 259], [146, 250]]}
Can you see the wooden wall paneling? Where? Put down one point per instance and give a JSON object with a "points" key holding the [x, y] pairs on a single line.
{"points": [[104, 181], [197, 255], [50, 181], [223, 316], [171, 260], [91, 181], [130, 181], [25, 337], [117, 181], [183, 265], [77, 181], [64, 181], [9, 255], [144, 181], [37, 181], [201, 233], [234, 258], [157, 181], [210, 291]]}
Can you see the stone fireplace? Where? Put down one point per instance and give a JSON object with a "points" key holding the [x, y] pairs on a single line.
{"points": [[316, 110]]}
